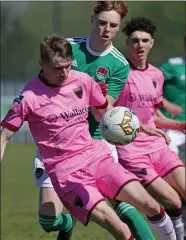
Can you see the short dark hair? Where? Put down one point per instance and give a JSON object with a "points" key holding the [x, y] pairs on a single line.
{"points": [[55, 44], [139, 24]]}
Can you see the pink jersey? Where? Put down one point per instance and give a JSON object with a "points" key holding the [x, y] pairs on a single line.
{"points": [[57, 117], [142, 93]]}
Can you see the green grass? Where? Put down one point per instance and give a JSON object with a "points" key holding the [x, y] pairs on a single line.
{"points": [[19, 200]]}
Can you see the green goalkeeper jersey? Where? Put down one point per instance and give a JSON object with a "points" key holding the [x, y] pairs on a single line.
{"points": [[174, 85], [110, 66]]}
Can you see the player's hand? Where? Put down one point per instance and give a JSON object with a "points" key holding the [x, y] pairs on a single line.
{"points": [[104, 87], [153, 131], [174, 110]]}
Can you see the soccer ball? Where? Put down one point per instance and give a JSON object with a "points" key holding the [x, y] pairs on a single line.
{"points": [[119, 126]]}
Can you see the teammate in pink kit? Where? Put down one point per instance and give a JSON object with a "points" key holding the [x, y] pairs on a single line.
{"points": [[148, 157], [82, 170]]}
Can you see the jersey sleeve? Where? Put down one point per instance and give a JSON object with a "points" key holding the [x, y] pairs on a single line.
{"points": [[118, 80], [17, 114], [159, 99], [167, 71], [96, 98]]}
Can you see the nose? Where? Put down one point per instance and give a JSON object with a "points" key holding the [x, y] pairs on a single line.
{"points": [[141, 43], [107, 27], [63, 72]]}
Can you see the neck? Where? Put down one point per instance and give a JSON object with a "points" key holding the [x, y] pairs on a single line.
{"points": [[96, 45], [138, 64], [43, 79]]}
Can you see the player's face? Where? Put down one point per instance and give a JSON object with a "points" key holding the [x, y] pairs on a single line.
{"points": [[105, 25], [56, 71], [139, 45]]}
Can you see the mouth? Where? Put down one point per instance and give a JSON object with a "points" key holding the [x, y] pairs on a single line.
{"points": [[140, 52], [105, 37]]}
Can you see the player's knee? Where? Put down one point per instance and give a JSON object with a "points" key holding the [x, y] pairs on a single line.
{"points": [[171, 200], [174, 202], [49, 223], [154, 208]]}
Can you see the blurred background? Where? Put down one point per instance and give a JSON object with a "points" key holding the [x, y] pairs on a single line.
{"points": [[23, 27], [25, 24]]}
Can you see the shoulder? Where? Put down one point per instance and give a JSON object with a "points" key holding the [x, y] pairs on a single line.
{"points": [[156, 71], [119, 58], [31, 89], [77, 75]]}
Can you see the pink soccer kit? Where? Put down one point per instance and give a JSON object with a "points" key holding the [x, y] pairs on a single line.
{"points": [[147, 156], [81, 169]]}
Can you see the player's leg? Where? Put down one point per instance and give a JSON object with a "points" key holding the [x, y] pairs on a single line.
{"points": [[174, 173], [117, 183], [50, 213], [129, 214], [169, 198], [103, 215], [134, 220], [148, 168], [168, 166], [176, 179], [86, 203]]}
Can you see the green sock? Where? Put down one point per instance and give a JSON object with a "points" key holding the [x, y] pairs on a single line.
{"points": [[136, 223], [56, 223]]}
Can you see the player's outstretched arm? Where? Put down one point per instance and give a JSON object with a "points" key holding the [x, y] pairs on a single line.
{"points": [[153, 131], [98, 113], [163, 122], [5, 136], [103, 110], [173, 109]]}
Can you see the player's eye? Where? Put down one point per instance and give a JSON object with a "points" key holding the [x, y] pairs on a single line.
{"points": [[102, 23], [57, 68], [113, 25], [135, 40], [146, 40]]}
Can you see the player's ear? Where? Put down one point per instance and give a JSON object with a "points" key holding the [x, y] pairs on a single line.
{"points": [[152, 43], [119, 26]]}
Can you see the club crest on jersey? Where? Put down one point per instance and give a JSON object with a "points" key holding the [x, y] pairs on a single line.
{"points": [[154, 82], [39, 172], [101, 73], [78, 92]]}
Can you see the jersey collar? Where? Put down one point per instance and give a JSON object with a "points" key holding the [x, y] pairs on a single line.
{"points": [[43, 80], [98, 53], [133, 67]]}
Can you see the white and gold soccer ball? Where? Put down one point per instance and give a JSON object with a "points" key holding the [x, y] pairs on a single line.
{"points": [[119, 126]]}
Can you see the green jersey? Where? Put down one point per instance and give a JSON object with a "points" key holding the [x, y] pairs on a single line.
{"points": [[174, 85], [109, 66]]}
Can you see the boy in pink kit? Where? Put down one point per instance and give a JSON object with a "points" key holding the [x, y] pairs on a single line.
{"points": [[148, 157], [82, 170]]}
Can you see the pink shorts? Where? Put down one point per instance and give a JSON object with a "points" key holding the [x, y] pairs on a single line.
{"points": [[82, 190], [153, 165]]}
